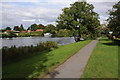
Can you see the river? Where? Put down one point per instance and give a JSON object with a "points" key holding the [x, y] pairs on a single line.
{"points": [[26, 41]]}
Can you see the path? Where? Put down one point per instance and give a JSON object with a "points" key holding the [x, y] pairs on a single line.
{"points": [[74, 66]]}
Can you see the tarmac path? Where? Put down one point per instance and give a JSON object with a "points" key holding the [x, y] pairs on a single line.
{"points": [[74, 66]]}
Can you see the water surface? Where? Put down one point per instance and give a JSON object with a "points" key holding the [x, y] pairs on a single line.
{"points": [[25, 41]]}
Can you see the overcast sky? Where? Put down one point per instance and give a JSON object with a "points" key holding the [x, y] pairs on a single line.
{"points": [[27, 12]]}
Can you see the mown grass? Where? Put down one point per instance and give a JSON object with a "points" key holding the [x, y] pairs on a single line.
{"points": [[103, 62], [41, 63]]}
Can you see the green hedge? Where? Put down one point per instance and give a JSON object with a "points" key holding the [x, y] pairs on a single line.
{"points": [[14, 53]]}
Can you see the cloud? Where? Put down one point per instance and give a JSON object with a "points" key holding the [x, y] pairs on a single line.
{"points": [[102, 0], [15, 15], [102, 9], [42, 11]]}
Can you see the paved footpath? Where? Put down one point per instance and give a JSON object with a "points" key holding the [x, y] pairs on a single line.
{"points": [[74, 66]]}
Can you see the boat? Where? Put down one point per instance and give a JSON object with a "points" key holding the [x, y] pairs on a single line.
{"points": [[47, 35]]}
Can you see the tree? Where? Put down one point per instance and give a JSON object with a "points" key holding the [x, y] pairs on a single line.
{"points": [[114, 19], [79, 17], [41, 26], [8, 28], [50, 28], [33, 27], [22, 28], [16, 28]]}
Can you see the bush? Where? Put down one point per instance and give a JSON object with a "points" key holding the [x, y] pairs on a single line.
{"points": [[84, 36], [49, 44], [14, 53]]}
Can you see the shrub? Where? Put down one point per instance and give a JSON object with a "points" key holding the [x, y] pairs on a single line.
{"points": [[49, 44], [84, 36], [14, 53]]}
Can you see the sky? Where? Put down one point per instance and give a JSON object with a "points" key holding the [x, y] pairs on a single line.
{"points": [[44, 12]]}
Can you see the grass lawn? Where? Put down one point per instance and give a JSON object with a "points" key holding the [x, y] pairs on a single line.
{"points": [[41, 63], [103, 62]]}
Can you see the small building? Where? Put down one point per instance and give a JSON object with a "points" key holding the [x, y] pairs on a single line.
{"points": [[39, 30], [23, 31], [6, 31], [29, 31], [16, 32]]}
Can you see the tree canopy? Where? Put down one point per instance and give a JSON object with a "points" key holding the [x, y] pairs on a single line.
{"points": [[16, 28], [114, 19], [21, 28], [50, 28], [8, 28], [34, 27], [79, 17]]}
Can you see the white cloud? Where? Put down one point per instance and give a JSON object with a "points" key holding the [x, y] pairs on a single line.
{"points": [[20, 0], [102, 9], [43, 11], [15, 15], [102, 0]]}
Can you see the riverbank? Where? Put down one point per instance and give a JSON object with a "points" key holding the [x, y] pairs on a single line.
{"points": [[103, 62], [42, 63]]}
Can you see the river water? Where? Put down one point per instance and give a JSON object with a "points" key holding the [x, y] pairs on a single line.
{"points": [[26, 41]]}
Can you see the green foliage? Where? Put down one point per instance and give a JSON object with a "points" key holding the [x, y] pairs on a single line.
{"points": [[50, 44], [34, 27], [79, 17], [64, 33], [14, 53], [3, 35], [9, 35], [8, 28], [23, 34], [114, 19], [40, 26], [40, 33], [84, 36], [16, 28], [50, 28], [21, 28]]}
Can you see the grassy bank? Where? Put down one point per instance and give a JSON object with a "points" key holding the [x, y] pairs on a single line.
{"points": [[103, 62], [41, 63], [30, 34]]}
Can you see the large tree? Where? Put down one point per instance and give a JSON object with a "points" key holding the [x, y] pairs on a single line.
{"points": [[79, 17], [114, 19]]}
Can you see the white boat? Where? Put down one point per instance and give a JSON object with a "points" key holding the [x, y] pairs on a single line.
{"points": [[47, 35]]}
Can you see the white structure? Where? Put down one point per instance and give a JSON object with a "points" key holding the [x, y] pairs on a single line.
{"points": [[110, 32], [47, 35]]}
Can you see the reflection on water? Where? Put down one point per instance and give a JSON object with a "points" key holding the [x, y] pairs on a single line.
{"points": [[25, 41]]}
